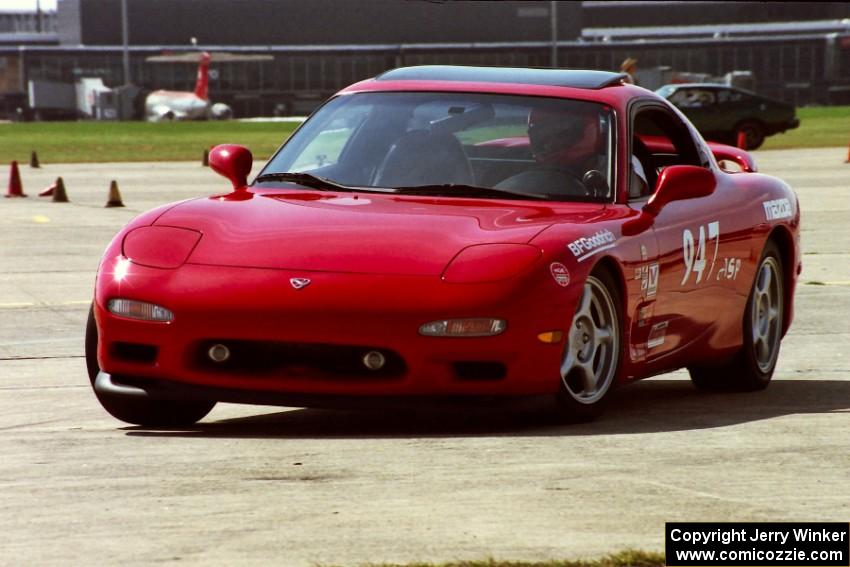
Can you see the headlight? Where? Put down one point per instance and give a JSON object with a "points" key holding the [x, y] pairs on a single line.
{"points": [[139, 310], [160, 246], [463, 328], [483, 263]]}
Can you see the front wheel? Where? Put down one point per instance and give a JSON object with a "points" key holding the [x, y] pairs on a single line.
{"points": [[591, 355], [752, 368], [147, 412]]}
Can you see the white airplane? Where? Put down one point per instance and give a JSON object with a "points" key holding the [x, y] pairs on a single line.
{"points": [[183, 105]]}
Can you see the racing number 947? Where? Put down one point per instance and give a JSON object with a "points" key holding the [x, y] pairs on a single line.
{"points": [[694, 251]]}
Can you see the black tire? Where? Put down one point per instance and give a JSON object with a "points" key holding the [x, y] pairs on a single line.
{"points": [[753, 134], [752, 368], [149, 413], [575, 403]]}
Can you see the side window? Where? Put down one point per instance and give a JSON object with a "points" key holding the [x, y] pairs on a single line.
{"points": [[638, 183], [680, 96], [506, 124], [659, 139], [326, 147], [724, 96], [697, 98]]}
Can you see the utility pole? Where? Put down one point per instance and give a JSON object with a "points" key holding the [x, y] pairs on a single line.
{"points": [[125, 39], [553, 20]]}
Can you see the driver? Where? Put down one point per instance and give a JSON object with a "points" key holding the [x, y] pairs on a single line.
{"points": [[566, 143]]}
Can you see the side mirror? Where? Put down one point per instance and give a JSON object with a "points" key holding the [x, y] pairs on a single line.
{"points": [[233, 162], [676, 183], [680, 182]]}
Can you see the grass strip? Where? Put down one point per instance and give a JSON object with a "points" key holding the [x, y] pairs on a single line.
{"points": [[820, 127], [86, 142]]}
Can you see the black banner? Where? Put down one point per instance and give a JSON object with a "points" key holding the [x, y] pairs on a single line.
{"points": [[803, 544]]}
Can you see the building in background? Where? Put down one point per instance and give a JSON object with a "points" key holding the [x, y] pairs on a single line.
{"points": [[795, 51], [27, 22]]}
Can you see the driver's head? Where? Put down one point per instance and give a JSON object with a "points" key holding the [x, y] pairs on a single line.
{"points": [[564, 136]]}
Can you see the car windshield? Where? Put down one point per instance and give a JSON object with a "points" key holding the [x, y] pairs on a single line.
{"points": [[462, 144]]}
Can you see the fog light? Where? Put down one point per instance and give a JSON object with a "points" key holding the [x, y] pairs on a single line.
{"points": [[463, 328], [374, 360], [218, 353], [139, 310]]}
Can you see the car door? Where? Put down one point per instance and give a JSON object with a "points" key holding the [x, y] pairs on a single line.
{"points": [[728, 110], [689, 238]]}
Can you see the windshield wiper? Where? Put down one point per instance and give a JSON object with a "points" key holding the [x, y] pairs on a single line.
{"points": [[307, 180], [447, 189], [460, 190]]}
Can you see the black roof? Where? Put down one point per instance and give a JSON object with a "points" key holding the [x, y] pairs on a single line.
{"points": [[550, 77]]}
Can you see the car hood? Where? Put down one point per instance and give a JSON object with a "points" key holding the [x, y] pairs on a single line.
{"points": [[357, 233]]}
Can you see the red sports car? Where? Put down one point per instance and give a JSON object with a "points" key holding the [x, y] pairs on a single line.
{"points": [[453, 232]]}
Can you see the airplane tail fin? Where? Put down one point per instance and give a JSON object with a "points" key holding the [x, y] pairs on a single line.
{"points": [[202, 84]]}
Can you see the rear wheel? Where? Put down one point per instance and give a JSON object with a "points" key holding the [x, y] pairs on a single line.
{"points": [[147, 412], [592, 354], [752, 368]]}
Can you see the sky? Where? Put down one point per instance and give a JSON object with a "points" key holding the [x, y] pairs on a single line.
{"points": [[15, 5]]}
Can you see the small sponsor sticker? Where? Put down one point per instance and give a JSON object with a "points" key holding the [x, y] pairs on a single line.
{"points": [[560, 273], [645, 314], [777, 209], [648, 277], [729, 269], [657, 335]]}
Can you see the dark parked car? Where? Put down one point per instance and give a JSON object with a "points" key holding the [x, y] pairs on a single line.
{"points": [[720, 113]]}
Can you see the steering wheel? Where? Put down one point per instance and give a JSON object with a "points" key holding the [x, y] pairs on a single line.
{"points": [[565, 182]]}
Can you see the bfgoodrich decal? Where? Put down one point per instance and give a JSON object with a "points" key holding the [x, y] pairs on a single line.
{"points": [[588, 246]]}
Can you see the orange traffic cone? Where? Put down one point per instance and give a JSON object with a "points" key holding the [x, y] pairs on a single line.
{"points": [[205, 161], [34, 160], [48, 191], [741, 142], [15, 188], [114, 196], [59, 194]]}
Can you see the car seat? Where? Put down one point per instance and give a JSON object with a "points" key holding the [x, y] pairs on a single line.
{"points": [[421, 157]]}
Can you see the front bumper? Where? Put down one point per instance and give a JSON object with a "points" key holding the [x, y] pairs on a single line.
{"points": [[156, 389], [226, 304]]}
